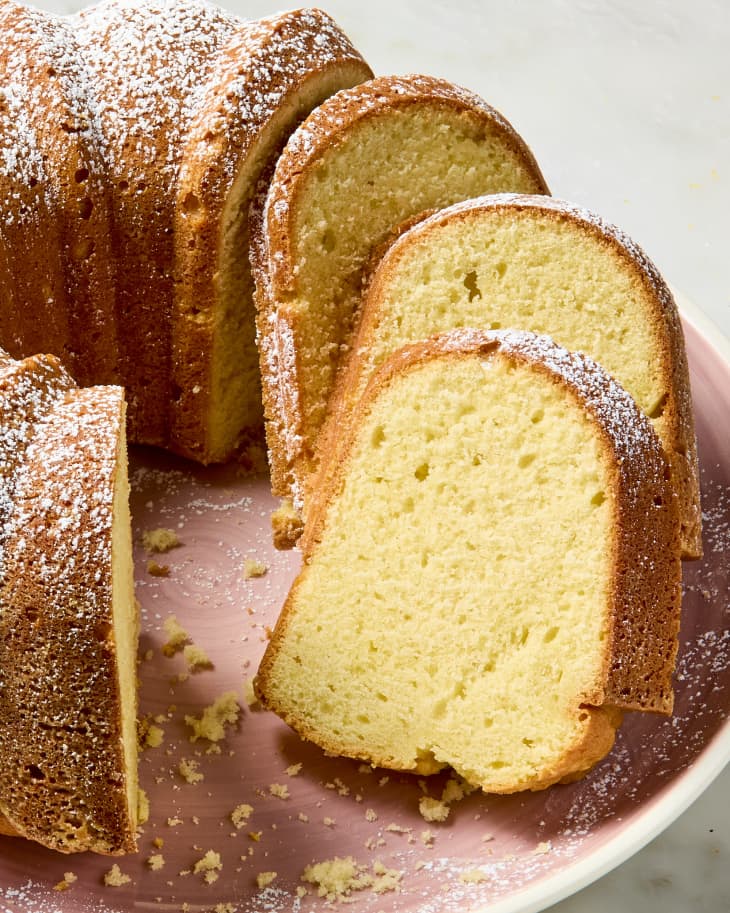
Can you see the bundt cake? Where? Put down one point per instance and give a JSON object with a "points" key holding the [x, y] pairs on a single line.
{"points": [[68, 618], [491, 569], [535, 263], [362, 162], [131, 138]]}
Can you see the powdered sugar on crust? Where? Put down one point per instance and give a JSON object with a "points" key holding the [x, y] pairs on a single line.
{"points": [[60, 723]]}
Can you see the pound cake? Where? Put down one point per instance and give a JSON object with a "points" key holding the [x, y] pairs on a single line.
{"points": [[512, 550], [132, 137], [536, 263], [360, 164], [68, 617]]}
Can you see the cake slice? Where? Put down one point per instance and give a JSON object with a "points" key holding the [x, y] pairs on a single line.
{"points": [[68, 617], [535, 263], [491, 569], [360, 164]]}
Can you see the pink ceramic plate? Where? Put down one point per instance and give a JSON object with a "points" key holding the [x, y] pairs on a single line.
{"points": [[518, 853]]}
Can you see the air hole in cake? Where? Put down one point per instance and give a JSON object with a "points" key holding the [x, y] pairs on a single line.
{"points": [[33, 182], [86, 208], [495, 325], [81, 175], [551, 634], [498, 765], [191, 204], [50, 72], [176, 393], [328, 241], [537, 416], [500, 269], [378, 436], [658, 502], [381, 697], [422, 472], [408, 506], [470, 284], [123, 185], [35, 772], [528, 742], [525, 460], [658, 410], [598, 498], [31, 613], [362, 718]]}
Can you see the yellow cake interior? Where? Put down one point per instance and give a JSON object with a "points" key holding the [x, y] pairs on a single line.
{"points": [[387, 168], [235, 400], [502, 269], [125, 617], [475, 523]]}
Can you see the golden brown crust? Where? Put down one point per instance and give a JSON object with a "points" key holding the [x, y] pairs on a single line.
{"points": [[273, 232], [56, 271], [63, 776], [676, 410], [293, 62], [116, 122]]}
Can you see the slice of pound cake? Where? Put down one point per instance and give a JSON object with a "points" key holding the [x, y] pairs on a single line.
{"points": [[360, 164], [492, 569], [68, 617], [543, 265]]}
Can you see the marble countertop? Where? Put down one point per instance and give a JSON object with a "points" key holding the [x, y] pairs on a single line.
{"points": [[626, 106]]}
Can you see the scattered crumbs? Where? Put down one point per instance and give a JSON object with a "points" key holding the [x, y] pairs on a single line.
{"points": [[156, 861], [253, 568], [240, 815], [115, 878], [544, 847], [337, 878], [255, 836], [209, 866], [188, 768], [473, 876], [364, 769], [154, 737], [196, 658], [371, 814], [224, 908], [383, 780], [301, 891], [158, 843], [303, 817], [148, 655], [68, 879], [293, 770], [487, 837], [174, 822], [177, 636], [158, 570], [280, 790], [433, 809], [329, 822], [427, 838], [398, 829], [454, 791], [264, 879], [211, 725], [143, 807], [249, 693], [160, 540]]}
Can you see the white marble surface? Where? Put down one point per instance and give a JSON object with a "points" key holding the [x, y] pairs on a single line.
{"points": [[626, 104]]}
